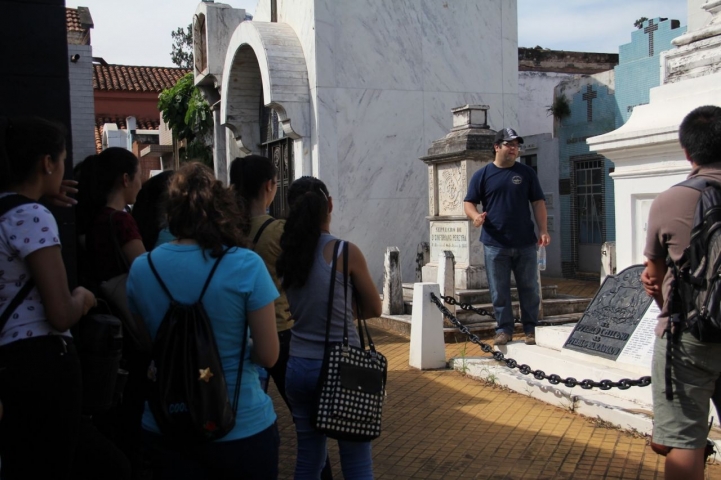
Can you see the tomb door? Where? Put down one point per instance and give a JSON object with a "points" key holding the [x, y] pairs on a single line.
{"points": [[589, 203], [279, 149]]}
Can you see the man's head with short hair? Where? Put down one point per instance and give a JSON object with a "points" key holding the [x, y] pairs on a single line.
{"points": [[700, 135]]}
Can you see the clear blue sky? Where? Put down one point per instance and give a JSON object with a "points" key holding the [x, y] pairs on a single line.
{"points": [[137, 32]]}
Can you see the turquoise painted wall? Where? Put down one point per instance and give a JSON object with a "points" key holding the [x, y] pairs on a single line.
{"points": [[637, 72]]}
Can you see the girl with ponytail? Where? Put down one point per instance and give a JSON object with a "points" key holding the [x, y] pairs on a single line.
{"points": [[203, 217], [305, 267]]}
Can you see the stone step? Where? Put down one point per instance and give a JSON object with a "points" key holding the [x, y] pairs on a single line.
{"points": [[401, 324], [551, 307], [483, 295]]}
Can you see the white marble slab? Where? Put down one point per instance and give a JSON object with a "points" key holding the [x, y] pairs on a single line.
{"points": [[460, 46]]}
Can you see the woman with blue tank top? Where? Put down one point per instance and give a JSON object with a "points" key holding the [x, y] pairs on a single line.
{"points": [[305, 268]]}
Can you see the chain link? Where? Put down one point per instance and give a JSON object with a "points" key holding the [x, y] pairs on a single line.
{"points": [[482, 312], [570, 382]]}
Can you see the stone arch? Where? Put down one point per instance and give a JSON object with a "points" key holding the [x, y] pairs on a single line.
{"points": [[264, 58]]}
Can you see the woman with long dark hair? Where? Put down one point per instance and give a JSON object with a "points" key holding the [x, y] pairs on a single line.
{"points": [[109, 182], [305, 268], [40, 385], [203, 216], [109, 243]]}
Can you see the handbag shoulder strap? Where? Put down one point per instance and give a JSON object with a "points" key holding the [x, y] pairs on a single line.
{"points": [[331, 289], [260, 231], [7, 203], [345, 293]]}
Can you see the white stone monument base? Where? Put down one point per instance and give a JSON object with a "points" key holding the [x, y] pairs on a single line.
{"points": [[466, 277], [628, 409]]}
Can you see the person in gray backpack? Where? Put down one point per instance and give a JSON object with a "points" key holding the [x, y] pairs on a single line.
{"points": [[686, 365]]}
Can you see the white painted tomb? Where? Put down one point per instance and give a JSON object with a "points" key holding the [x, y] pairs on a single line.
{"points": [[361, 89]]}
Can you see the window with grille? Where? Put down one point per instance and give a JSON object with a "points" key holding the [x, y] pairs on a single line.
{"points": [[589, 200]]}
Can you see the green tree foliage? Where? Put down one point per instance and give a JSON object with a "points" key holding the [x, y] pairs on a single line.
{"points": [[188, 115], [181, 53], [639, 23]]}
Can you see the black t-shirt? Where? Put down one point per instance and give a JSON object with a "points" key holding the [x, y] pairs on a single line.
{"points": [[505, 194]]}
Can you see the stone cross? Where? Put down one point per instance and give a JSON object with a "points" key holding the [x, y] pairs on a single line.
{"points": [[588, 97], [650, 29]]}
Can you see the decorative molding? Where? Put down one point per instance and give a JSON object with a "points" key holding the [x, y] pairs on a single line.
{"points": [[264, 58]]}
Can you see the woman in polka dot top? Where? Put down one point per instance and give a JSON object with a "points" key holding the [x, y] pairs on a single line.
{"points": [[40, 386]]}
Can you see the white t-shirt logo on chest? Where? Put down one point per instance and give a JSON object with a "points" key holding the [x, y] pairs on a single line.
{"points": [[517, 180]]}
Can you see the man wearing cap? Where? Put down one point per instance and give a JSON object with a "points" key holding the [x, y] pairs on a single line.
{"points": [[504, 188]]}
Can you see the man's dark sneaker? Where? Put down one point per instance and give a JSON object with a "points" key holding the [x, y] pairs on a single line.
{"points": [[501, 338], [530, 339]]}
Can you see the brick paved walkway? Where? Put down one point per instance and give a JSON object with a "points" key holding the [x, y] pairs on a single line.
{"points": [[442, 425]]}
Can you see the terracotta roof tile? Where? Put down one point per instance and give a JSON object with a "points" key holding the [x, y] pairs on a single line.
{"points": [[142, 124], [135, 79], [72, 19]]}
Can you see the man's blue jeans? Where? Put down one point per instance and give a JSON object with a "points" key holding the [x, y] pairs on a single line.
{"points": [[500, 262], [301, 380]]}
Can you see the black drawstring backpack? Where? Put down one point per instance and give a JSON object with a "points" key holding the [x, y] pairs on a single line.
{"points": [[188, 393]]}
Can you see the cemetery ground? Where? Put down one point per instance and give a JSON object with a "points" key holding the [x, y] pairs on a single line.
{"points": [[443, 425]]}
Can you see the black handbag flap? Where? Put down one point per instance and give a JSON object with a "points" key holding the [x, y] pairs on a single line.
{"points": [[361, 379]]}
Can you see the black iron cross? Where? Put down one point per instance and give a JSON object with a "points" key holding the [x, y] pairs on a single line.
{"points": [[274, 11], [588, 97], [650, 29]]}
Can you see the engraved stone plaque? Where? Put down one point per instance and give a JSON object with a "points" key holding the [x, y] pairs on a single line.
{"points": [[612, 316], [451, 236]]}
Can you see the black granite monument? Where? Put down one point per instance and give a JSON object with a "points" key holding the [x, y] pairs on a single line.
{"points": [[612, 316]]}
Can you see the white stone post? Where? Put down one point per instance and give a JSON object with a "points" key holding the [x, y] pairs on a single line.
{"points": [[428, 350], [392, 282], [446, 276]]}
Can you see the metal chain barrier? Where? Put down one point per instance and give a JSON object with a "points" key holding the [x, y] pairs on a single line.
{"points": [[553, 379], [480, 311]]}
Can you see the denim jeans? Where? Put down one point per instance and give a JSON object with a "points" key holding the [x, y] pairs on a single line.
{"points": [[300, 386], [500, 262]]}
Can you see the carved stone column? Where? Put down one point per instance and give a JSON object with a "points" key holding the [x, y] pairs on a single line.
{"points": [[452, 161]]}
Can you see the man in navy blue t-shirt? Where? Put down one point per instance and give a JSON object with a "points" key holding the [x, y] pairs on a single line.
{"points": [[505, 188]]}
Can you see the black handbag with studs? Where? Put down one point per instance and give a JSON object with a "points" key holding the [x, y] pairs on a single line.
{"points": [[351, 386], [188, 393]]}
